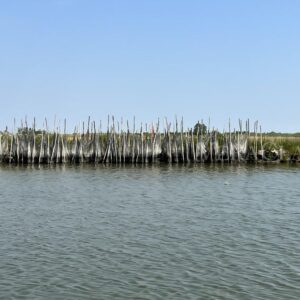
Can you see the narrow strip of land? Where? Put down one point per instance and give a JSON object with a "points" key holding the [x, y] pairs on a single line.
{"points": [[147, 144]]}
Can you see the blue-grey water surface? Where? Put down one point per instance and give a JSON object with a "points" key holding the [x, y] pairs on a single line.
{"points": [[161, 232]]}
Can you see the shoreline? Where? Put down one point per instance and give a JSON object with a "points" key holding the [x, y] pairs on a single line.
{"points": [[148, 145]]}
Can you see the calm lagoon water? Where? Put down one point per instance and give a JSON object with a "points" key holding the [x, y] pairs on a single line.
{"points": [[161, 232]]}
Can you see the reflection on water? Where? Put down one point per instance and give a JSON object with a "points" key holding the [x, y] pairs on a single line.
{"points": [[157, 232]]}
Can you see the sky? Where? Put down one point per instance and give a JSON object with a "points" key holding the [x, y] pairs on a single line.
{"points": [[161, 58]]}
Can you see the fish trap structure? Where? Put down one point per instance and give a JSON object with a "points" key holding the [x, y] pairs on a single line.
{"points": [[119, 145]]}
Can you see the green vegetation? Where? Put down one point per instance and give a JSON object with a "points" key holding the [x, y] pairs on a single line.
{"points": [[197, 144], [200, 128]]}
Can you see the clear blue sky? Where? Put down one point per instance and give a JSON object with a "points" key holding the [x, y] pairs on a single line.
{"points": [[197, 59]]}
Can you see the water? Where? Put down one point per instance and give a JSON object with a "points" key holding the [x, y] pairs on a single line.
{"points": [[165, 232]]}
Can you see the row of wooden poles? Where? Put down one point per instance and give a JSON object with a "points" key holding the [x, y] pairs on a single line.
{"points": [[118, 145]]}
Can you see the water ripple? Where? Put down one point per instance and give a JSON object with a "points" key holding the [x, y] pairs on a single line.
{"points": [[162, 232]]}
